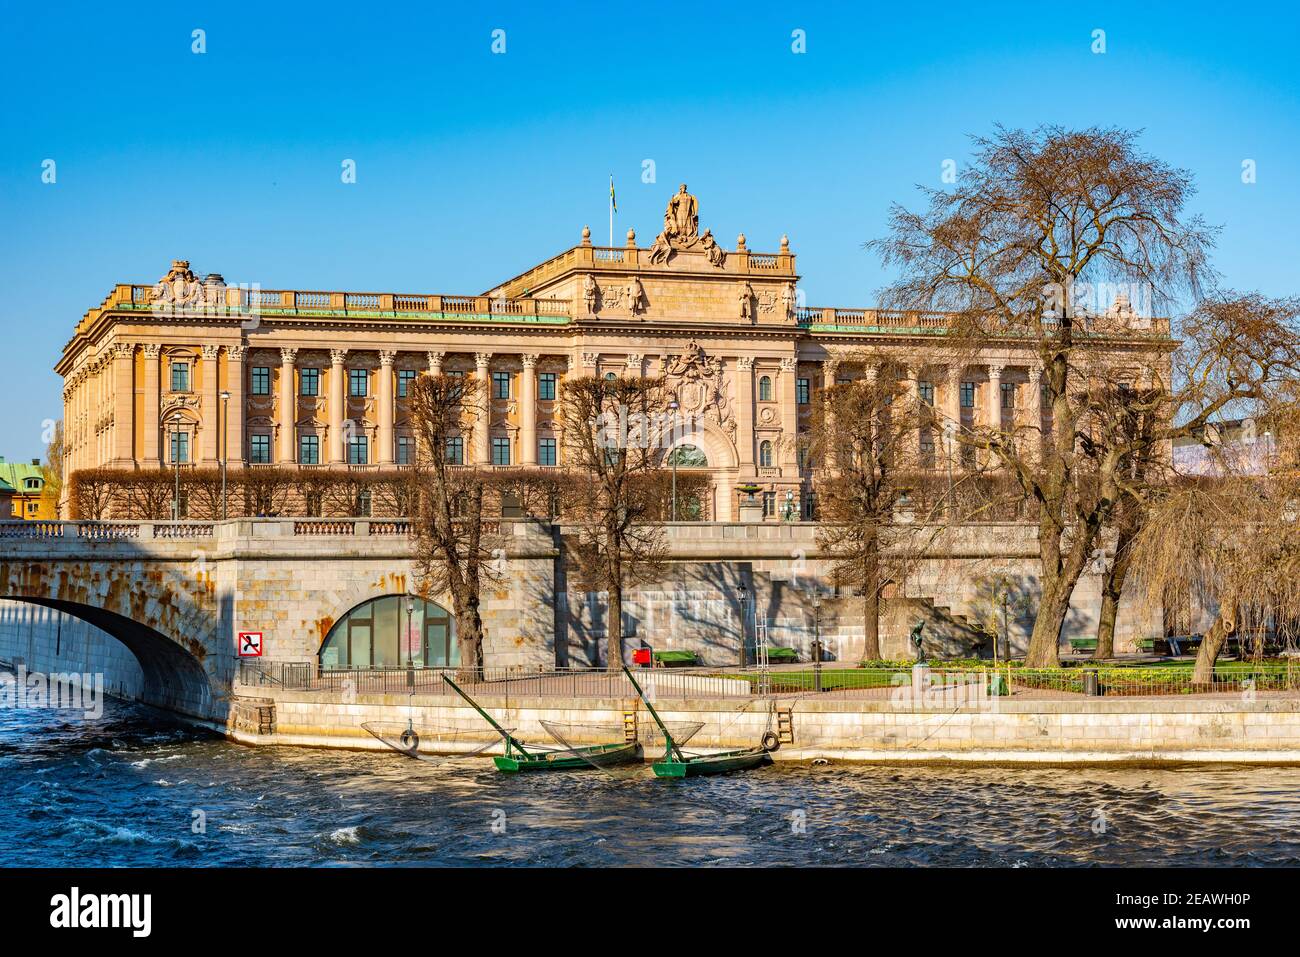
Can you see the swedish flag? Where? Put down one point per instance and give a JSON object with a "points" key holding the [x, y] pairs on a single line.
{"points": [[613, 203]]}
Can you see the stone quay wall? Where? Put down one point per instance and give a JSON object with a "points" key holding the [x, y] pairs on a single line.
{"points": [[1228, 728]]}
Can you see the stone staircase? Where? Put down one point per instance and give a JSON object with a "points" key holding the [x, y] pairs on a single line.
{"points": [[948, 633]]}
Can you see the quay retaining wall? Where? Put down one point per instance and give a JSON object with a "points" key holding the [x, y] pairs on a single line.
{"points": [[1227, 728]]}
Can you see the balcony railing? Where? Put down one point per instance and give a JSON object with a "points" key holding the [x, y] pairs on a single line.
{"points": [[827, 319]]}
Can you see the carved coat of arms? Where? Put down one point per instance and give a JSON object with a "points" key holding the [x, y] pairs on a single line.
{"points": [[700, 387]]}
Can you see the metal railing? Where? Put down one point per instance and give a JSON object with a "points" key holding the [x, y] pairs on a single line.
{"points": [[832, 679]]}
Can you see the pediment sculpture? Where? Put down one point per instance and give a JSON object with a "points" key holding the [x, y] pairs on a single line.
{"points": [[682, 231]]}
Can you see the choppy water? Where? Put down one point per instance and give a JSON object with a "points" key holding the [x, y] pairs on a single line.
{"points": [[124, 791]]}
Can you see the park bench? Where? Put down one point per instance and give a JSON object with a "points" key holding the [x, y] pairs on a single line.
{"points": [[782, 656], [675, 659], [1080, 645]]}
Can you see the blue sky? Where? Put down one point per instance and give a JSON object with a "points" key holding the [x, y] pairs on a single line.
{"points": [[472, 166]]}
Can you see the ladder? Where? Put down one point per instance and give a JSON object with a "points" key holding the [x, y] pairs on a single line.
{"points": [[785, 725], [629, 726]]}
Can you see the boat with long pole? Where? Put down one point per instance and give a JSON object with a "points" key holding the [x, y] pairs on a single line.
{"points": [[519, 757], [677, 763]]}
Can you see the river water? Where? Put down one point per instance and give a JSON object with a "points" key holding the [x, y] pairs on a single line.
{"points": [[133, 788]]}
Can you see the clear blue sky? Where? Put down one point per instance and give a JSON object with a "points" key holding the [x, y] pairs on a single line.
{"points": [[473, 166]]}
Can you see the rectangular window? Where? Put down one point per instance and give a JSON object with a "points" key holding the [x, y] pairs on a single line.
{"points": [[546, 386], [500, 450], [927, 450], [809, 506], [1008, 395], [843, 380], [309, 381], [405, 450], [261, 380], [801, 391], [769, 504], [968, 395], [926, 392], [180, 447], [359, 450], [309, 450], [404, 379], [357, 380], [546, 451], [259, 449], [455, 450], [180, 377], [501, 385]]}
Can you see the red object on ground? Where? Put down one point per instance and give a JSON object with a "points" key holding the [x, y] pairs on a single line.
{"points": [[641, 656]]}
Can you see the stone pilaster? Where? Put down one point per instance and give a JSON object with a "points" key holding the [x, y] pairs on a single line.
{"points": [[123, 403], [528, 411], [483, 423], [435, 362], [235, 407], [337, 401], [288, 411], [385, 399], [745, 412], [211, 415], [788, 385], [152, 401]]}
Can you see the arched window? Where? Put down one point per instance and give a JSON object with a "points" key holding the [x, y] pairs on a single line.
{"points": [[688, 457], [765, 389], [391, 632], [765, 454], [610, 377]]}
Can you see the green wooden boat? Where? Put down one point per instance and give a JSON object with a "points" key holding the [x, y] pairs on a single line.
{"points": [[520, 758], [677, 763], [577, 759]]}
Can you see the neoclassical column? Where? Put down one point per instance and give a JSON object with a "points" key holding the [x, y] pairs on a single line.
{"points": [[235, 407], [994, 406], [830, 368], [1035, 410], [385, 400], [210, 412], [789, 380], [123, 402], [288, 406], [338, 391], [528, 411], [912, 377], [152, 400], [745, 411], [435, 362], [952, 416], [483, 425]]}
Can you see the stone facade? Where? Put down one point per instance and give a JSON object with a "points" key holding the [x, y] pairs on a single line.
{"points": [[176, 595], [194, 370]]}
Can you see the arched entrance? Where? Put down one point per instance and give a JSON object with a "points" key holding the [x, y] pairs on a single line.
{"points": [[392, 631]]}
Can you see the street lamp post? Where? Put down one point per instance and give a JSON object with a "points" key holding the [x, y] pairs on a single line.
{"points": [[225, 425], [176, 466], [816, 599], [744, 620], [672, 454]]}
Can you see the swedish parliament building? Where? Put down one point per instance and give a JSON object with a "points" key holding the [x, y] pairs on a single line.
{"points": [[190, 370]]}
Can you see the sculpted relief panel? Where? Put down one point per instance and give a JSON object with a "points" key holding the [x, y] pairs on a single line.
{"points": [[700, 387]]}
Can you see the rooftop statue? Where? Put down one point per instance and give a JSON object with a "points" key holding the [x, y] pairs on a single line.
{"points": [[682, 230]]}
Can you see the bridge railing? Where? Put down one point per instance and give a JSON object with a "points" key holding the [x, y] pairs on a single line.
{"points": [[187, 530]]}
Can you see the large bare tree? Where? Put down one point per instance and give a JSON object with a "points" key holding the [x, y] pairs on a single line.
{"points": [[1034, 220], [455, 546], [614, 438]]}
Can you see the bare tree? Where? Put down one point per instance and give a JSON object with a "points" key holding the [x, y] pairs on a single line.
{"points": [[1036, 219], [614, 433], [52, 470], [453, 543], [865, 447]]}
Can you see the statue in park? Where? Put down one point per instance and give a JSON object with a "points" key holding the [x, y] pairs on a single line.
{"points": [[917, 642]]}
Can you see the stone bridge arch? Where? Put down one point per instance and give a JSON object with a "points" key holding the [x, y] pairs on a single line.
{"points": [[168, 623]]}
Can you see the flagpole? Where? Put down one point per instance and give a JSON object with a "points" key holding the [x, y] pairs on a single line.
{"points": [[611, 210]]}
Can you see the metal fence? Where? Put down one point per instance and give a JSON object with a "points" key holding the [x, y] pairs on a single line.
{"points": [[781, 681]]}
